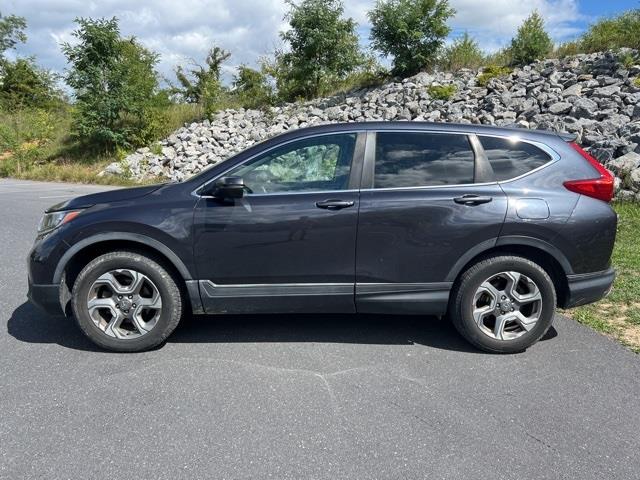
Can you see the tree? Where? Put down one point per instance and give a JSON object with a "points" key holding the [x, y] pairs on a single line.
{"points": [[23, 84], [252, 88], [532, 42], [115, 85], [11, 32], [323, 49], [202, 84], [612, 33], [463, 53], [412, 31]]}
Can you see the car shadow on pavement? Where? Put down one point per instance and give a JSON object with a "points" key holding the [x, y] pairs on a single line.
{"points": [[29, 324]]}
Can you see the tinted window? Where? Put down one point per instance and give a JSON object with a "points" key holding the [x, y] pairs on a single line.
{"points": [[512, 158], [422, 159], [315, 164]]}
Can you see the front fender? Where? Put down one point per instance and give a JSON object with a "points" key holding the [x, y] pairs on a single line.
{"points": [[143, 240]]}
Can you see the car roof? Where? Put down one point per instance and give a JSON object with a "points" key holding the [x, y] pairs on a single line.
{"points": [[525, 134]]}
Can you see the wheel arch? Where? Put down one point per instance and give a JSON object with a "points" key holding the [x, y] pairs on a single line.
{"points": [[544, 254], [81, 253]]}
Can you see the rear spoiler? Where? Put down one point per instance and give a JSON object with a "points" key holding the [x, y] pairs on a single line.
{"points": [[567, 137]]}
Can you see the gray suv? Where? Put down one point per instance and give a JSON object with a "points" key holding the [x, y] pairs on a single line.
{"points": [[493, 227]]}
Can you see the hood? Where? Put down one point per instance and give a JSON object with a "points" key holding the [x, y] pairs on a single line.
{"points": [[109, 196]]}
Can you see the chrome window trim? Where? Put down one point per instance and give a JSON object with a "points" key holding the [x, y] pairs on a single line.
{"points": [[554, 157], [359, 131]]}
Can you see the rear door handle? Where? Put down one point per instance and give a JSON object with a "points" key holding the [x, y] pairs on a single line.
{"points": [[335, 204], [472, 200]]}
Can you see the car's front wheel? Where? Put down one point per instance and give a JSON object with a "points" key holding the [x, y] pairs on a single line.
{"points": [[126, 301], [503, 304]]}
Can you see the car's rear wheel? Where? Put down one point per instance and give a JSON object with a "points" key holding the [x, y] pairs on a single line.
{"points": [[503, 304], [126, 301]]}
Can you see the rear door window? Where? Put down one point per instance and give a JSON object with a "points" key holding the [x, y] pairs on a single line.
{"points": [[413, 159], [511, 158]]}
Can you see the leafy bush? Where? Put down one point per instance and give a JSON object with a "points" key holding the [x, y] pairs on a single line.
{"points": [[25, 136], [463, 53], [442, 92], [636, 82], [11, 32], [492, 71], [201, 84], [252, 88], [323, 49], [612, 33], [23, 84], [567, 49], [412, 31], [628, 59], [532, 42], [115, 86]]}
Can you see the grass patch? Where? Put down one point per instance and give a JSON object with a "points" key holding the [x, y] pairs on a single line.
{"points": [[442, 92], [492, 71], [618, 315], [35, 145]]}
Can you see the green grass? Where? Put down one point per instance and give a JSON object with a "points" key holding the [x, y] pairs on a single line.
{"points": [[618, 315], [492, 71], [35, 145], [442, 92]]}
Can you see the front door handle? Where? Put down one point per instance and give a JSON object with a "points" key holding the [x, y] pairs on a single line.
{"points": [[472, 200], [335, 204]]}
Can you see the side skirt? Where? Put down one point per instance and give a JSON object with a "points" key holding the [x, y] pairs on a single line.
{"points": [[381, 298], [277, 298], [403, 298]]}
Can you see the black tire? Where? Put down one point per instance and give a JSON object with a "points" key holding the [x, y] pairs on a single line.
{"points": [[462, 303], [171, 297]]}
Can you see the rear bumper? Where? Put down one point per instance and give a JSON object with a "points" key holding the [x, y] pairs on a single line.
{"points": [[589, 287], [47, 297]]}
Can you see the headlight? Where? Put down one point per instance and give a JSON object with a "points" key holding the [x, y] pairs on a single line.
{"points": [[53, 220]]}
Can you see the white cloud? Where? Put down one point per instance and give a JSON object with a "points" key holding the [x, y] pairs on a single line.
{"points": [[494, 22], [180, 30]]}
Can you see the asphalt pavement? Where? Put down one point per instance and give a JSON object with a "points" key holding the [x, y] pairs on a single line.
{"points": [[313, 396]]}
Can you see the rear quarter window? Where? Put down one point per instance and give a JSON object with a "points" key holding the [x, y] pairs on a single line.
{"points": [[512, 158]]}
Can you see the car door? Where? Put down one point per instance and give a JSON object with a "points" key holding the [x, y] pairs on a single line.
{"points": [[288, 245], [428, 202]]}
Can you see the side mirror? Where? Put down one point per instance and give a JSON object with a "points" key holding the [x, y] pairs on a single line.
{"points": [[229, 187]]}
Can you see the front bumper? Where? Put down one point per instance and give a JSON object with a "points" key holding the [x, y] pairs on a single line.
{"points": [[47, 297], [589, 287]]}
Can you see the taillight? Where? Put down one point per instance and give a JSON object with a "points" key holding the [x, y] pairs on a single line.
{"points": [[601, 187]]}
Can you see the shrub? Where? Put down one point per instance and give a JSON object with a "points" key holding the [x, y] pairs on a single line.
{"points": [[636, 82], [24, 138], [252, 88], [201, 83], [11, 32], [567, 49], [463, 53], [323, 49], [412, 31], [628, 59], [492, 71], [442, 92], [612, 33], [115, 86], [23, 84], [532, 42]]}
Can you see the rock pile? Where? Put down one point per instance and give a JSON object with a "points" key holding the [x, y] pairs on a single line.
{"points": [[592, 95]]}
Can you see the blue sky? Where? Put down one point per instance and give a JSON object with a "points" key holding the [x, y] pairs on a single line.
{"points": [[185, 30]]}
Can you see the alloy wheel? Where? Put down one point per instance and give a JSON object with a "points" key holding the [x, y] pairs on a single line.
{"points": [[124, 303], [507, 305]]}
